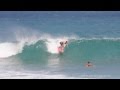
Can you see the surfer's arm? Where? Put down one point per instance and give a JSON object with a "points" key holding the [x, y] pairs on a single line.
{"points": [[65, 44]]}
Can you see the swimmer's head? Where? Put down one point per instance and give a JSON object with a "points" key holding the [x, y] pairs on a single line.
{"points": [[88, 62]]}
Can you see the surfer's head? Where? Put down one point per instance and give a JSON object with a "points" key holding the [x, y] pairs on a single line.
{"points": [[61, 43]]}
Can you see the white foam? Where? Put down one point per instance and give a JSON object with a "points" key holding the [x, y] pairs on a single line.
{"points": [[32, 75], [9, 49], [102, 38]]}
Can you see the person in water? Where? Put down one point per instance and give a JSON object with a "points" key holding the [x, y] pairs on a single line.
{"points": [[88, 64], [62, 46]]}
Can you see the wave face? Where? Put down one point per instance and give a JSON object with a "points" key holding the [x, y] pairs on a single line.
{"points": [[94, 49]]}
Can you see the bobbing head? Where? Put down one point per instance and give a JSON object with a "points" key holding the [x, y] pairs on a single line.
{"points": [[88, 62]]}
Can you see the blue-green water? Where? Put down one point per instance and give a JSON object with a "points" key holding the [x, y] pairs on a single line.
{"points": [[29, 41]]}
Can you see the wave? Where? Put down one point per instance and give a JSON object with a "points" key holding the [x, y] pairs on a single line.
{"points": [[76, 50], [96, 49], [11, 48]]}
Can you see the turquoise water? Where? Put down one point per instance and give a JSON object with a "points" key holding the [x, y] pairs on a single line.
{"points": [[29, 41], [77, 51]]}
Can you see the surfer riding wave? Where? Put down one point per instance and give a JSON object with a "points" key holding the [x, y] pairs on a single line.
{"points": [[62, 46]]}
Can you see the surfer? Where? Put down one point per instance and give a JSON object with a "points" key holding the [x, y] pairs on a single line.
{"points": [[62, 46]]}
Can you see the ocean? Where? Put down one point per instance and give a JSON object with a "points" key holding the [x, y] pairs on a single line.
{"points": [[29, 42]]}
